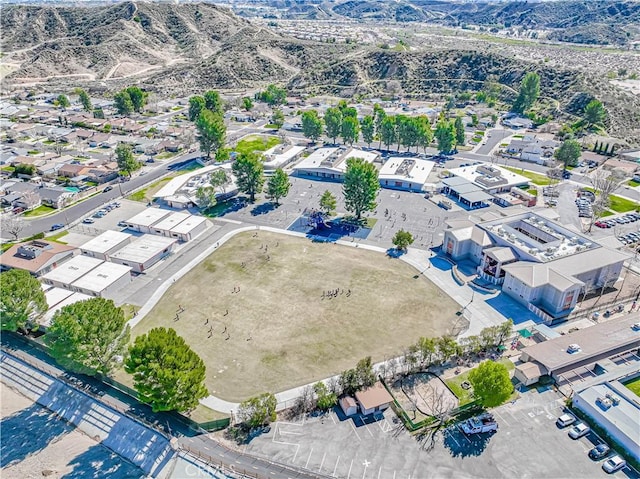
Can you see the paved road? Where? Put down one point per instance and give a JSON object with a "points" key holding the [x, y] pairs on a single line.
{"points": [[69, 215], [201, 445]]}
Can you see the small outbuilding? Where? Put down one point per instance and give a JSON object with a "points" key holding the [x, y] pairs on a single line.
{"points": [[373, 399], [66, 274], [143, 221], [349, 406]]}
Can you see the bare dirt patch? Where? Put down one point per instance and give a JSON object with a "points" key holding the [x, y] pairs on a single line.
{"points": [[278, 331]]}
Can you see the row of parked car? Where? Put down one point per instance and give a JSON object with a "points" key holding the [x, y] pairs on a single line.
{"points": [[102, 213], [585, 209], [612, 463], [630, 238], [620, 220]]}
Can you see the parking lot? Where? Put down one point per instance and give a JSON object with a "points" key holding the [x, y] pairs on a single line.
{"points": [[528, 444]]}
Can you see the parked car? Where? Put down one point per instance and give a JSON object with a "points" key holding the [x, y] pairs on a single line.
{"points": [[88, 221], [598, 452], [565, 420], [107, 189], [122, 224], [613, 464], [566, 175], [579, 430], [57, 226]]}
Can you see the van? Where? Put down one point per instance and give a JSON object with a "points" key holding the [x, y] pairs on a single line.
{"points": [[565, 420]]}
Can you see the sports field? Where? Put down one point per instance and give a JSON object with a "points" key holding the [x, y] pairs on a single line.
{"points": [[261, 311]]}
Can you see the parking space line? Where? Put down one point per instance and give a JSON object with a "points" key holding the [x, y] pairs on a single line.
{"points": [[324, 456], [336, 467], [308, 458], [379, 471], [368, 430], [501, 417], [349, 475], [354, 430]]}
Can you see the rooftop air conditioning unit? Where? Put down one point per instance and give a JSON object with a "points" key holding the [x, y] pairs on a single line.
{"points": [[613, 398], [605, 403], [551, 249], [574, 348]]}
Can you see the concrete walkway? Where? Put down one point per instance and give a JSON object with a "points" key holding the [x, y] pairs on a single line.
{"points": [[473, 303]]}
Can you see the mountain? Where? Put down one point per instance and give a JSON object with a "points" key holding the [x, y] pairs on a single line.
{"points": [[118, 40]]}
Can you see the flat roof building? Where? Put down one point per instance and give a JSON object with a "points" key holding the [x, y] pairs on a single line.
{"points": [[189, 228], [103, 245], [37, 257], [538, 262], [404, 173], [616, 409], [490, 178], [583, 347], [373, 399], [103, 280], [330, 163], [64, 275], [280, 156], [144, 252], [143, 221], [72, 298]]}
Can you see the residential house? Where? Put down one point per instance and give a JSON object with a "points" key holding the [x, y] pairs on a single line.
{"points": [[37, 257], [56, 197], [70, 170], [101, 175]]}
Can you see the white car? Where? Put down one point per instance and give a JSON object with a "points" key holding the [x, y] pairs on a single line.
{"points": [[88, 221], [613, 464], [565, 420], [579, 430]]}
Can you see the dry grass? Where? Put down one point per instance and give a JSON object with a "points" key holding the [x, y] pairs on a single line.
{"points": [[296, 337]]}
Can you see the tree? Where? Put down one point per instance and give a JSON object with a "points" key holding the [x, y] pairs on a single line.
{"points": [[594, 113], [447, 348], [21, 299], [213, 102], [402, 240], [248, 170], [211, 131], [123, 103], [425, 134], [12, 224], [353, 380], [277, 117], [63, 101], [138, 98], [126, 162], [327, 202], [529, 92], [273, 95], [83, 96], [350, 130], [311, 125], [326, 398], [167, 374], [219, 179], [87, 337], [258, 411], [474, 119], [367, 126], [446, 135], [491, 383], [459, 127], [196, 105], [388, 131], [247, 103], [278, 185], [360, 186], [568, 153], [206, 197], [333, 123]]}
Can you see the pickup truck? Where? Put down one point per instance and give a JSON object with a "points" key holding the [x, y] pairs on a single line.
{"points": [[479, 424]]}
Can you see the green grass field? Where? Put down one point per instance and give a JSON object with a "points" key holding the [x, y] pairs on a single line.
{"points": [[535, 178], [281, 332], [39, 211], [633, 184], [634, 385], [256, 143], [622, 205]]}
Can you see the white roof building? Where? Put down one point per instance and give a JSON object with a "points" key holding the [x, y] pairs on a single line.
{"points": [[188, 229], [104, 279], [490, 178], [169, 222], [145, 219], [280, 156], [70, 299], [405, 173], [65, 274], [144, 252], [104, 244], [330, 163]]}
